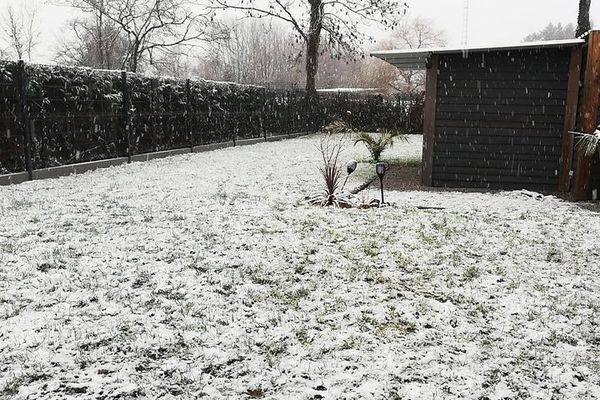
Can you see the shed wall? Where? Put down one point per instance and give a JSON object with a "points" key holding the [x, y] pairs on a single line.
{"points": [[499, 119]]}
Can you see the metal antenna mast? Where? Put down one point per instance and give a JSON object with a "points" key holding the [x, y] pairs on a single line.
{"points": [[465, 33]]}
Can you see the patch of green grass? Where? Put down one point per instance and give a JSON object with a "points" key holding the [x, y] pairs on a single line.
{"points": [[554, 254], [291, 297], [279, 205], [12, 385], [405, 161], [471, 272], [364, 171], [371, 249], [20, 204], [261, 278], [403, 261], [427, 238], [408, 161], [392, 327]]}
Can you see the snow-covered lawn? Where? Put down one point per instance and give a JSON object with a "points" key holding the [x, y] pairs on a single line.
{"points": [[207, 275]]}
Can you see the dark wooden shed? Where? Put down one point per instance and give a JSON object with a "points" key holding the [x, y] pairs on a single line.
{"points": [[499, 117]]}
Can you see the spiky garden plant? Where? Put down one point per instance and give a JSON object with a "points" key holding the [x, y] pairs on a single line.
{"points": [[375, 143], [588, 143], [330, 169], [340, 126], [330, 148]]}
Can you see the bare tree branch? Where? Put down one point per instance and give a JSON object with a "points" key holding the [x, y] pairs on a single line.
{"points": [[329, 24], [20, 28], [155, 25]]}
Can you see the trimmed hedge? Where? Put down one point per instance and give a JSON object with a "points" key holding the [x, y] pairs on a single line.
{"points": [[78, 114]]}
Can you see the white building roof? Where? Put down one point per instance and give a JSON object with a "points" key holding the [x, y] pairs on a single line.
{"points": [[417, 58]]}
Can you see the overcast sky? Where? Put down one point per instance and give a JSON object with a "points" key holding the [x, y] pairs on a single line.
{"points": [[490, 21]]}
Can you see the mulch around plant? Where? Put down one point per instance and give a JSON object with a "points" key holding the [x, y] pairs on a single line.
{"points": [[408, 178], [400, 178]]}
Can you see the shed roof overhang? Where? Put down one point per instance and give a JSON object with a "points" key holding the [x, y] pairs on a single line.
{"points": [[418, 58]]}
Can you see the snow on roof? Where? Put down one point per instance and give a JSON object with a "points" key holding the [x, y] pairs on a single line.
{"points": [[417, 58]]}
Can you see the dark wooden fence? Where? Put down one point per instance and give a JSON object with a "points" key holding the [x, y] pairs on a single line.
{"points": [[503, 118], [499, 119], [56, 115]]}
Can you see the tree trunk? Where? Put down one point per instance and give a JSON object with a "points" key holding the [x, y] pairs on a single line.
{"points": [[135, 57], [313, 41], [103, 62], [583, 20]]}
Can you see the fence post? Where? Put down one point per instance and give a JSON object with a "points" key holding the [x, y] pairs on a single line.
{"points": [[125, 113], [567, 142], [589, 113], [236, 121], [262, 113], [153, 95], [91, 103], [188, 113], [23, 123]]}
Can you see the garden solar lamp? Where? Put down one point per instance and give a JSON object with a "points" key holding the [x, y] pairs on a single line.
{"points": [[350, 168], [380, 169]]}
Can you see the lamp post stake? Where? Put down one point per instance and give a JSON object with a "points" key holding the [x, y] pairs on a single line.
{"points": [[380, 169]]}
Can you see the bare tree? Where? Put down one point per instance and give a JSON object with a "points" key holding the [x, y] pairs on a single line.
{"points": [[97, 43], [415, 33], [418, 33], [333, 23], [376, 73], [20, 28], [257, 53], [583, 19], [174, 64], [154, 26]]}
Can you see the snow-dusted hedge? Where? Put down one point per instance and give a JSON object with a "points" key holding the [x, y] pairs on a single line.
{"points": [[78, 114], [372, 112]]}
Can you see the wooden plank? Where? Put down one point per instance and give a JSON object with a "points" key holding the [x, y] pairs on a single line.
{"points": [[589, 115], [445, 154], [494, 185], [513, 83], [531, 68], [498, 117], [519, 93], [429, 111], [496, 124], [533, 173], [473, 177], [528, 109], [546, 61], [520, 76], [499, 164], [506, 101], [555, 131], [474, 133], [566, 157], [497, 140], [482, 149]]}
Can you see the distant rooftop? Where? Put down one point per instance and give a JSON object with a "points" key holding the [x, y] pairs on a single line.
{"points": [[417, 58]]}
